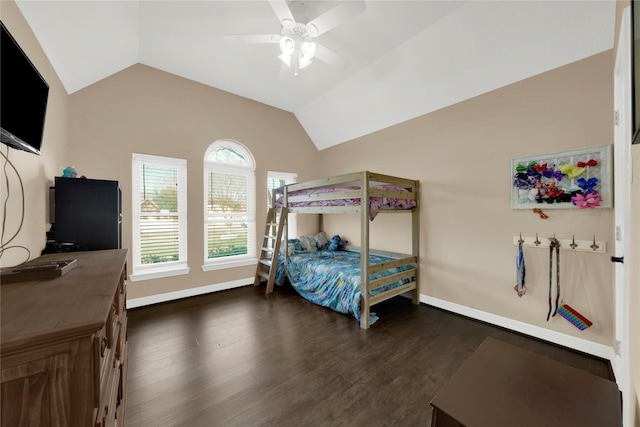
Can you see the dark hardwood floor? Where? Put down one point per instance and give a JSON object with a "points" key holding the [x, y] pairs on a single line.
{"points": [[242, 358]]}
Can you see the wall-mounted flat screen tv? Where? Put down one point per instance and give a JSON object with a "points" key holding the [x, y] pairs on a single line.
{"points": [[23, 97]]}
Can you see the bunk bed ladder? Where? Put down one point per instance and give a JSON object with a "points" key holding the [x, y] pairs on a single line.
{"points": [[268, 261]]}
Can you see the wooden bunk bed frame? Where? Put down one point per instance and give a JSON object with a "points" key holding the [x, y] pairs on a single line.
{"points": [[364, 180]]}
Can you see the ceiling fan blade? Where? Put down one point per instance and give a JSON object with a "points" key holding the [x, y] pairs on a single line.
{"points": [[336, 16], [330, 57], [253, 38], [283, 12]]}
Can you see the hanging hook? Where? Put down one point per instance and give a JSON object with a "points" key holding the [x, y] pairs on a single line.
{"points": [[537, 241], [594, 246], [573, 242], [520, 240]]}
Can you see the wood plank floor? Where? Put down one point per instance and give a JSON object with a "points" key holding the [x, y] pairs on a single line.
{"points": [[242, 358]]}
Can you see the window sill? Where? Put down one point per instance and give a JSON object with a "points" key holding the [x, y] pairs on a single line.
{"points": [[159, 273], [229, 264]]}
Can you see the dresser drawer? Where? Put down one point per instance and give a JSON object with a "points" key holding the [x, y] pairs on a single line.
{"points": [[110, 378], [110, 402], [122, 339], [100, 354], [121, 297]]}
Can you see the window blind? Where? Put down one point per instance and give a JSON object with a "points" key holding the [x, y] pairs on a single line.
{"points": [[228, 217], [159, 211]]}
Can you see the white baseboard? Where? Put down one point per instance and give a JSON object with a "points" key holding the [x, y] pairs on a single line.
{"points": [[575, 343], [186, 293]]}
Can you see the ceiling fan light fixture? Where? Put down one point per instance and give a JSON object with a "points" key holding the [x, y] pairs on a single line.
{"points": [[307, 53], [287, 45], [285, 58], [296, 54]]}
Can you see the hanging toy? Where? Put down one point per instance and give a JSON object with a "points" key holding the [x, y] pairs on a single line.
{"points": [[576, 319], [571, 314], [520, 271]]}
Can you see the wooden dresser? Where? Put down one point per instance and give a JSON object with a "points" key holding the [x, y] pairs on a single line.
{"points": [[63, 353]]}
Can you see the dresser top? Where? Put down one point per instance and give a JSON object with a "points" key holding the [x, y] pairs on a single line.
{"points": [[501, 384], [75, 304]]}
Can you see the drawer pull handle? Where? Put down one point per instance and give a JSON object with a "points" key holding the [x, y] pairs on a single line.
{"points": [[103, 346]]}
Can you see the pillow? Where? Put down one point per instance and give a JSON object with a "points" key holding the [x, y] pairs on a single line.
{"points": [[321, 240], [293, 246], [313, 243], [308, 243]]}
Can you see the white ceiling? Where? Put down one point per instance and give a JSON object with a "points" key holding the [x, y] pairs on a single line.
{"points": [[407, 58]]}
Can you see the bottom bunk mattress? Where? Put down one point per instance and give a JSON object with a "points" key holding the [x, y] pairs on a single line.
{"points": [[332, 278]]}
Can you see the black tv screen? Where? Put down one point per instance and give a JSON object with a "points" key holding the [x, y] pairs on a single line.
{"points": [[23, 97]]}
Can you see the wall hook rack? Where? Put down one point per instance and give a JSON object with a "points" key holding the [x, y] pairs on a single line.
{"points": [[591, 246]]}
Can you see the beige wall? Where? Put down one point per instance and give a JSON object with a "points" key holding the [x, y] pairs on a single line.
{"points": [[144, 110], [36, 172], [462, 156]]}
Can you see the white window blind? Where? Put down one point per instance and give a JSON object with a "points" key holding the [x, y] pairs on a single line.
{"points": [[229, 203], [159, 213]]}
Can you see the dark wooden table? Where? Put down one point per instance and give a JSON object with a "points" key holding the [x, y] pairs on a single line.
{"points": [[503, 385]]}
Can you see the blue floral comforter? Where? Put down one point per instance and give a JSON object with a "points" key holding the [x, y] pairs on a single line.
{"points": [[332, 279]]}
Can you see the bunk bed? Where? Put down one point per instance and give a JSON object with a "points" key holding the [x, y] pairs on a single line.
{"points": [[354, 279]]}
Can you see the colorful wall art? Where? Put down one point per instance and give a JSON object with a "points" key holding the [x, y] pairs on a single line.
{"points": [[574, 179]]}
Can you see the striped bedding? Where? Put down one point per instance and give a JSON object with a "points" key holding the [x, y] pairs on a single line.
{"points": [[375, 203]]}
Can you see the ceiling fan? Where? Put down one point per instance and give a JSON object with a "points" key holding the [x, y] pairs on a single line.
{"points": [[297, 40]]}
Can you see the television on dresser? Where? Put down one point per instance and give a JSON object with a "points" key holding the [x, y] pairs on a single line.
{"points": [[23, 97]]}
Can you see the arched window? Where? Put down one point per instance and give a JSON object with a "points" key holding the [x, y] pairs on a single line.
{"points": [[229, 202]]}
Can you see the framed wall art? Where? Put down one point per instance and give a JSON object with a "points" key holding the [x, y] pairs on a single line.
{"points": [[573, 179]]}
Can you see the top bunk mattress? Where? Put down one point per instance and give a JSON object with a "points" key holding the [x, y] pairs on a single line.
{"points": [[309, 198]]}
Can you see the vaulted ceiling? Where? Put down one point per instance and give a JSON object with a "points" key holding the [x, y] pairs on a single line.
{"points": [[406, 58]]}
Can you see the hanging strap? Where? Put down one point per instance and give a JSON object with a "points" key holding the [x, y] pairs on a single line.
{"points": [[557, 277], [551, 246], [555, 244]]}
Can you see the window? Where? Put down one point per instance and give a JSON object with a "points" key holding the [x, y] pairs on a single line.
{"points": [[230, 224], [159, 206], [277, 180]]}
